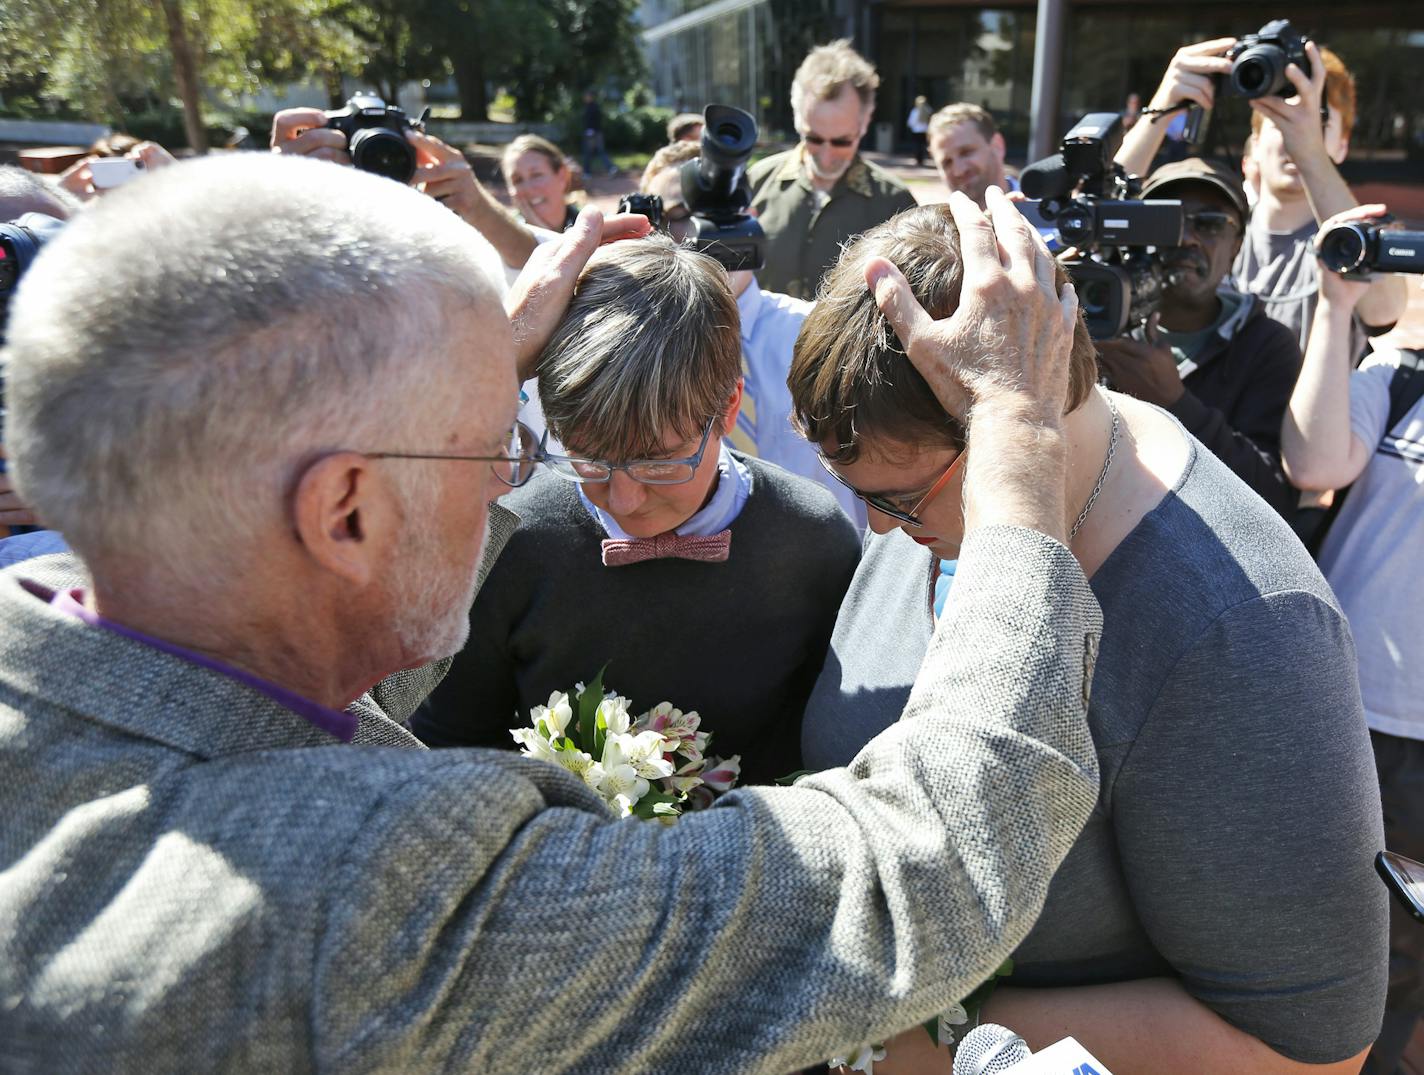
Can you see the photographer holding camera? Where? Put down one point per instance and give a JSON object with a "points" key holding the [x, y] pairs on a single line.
{"points": [[1210, 355], [435, 168], [1364, 429], [1297, 142]]}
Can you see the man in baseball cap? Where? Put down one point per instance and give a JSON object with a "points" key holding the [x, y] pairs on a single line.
{"points": [[1210, 355]]}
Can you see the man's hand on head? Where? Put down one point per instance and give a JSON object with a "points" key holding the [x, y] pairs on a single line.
{"points": [[1144, 370], [1000, 362], [1008, 342], [1299, 118], [303, 131], [545, 287]]}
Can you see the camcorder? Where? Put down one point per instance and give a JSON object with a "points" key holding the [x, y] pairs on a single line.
{"points": [[375, 135], [1258, 69], [1368, 247], [1117, 268], [716, 192]]}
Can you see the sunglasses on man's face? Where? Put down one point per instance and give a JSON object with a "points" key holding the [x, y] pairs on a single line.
{"points": [[1212, 224], [839, 143]]}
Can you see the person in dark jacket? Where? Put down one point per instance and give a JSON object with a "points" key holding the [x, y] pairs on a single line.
{"points": [[1211, 356]]}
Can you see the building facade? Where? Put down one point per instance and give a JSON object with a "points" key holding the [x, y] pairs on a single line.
{"points": [[744, 52]]}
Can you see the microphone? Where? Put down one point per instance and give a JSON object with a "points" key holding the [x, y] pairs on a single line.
{"points": [[1048, 178], [991, 1048]]}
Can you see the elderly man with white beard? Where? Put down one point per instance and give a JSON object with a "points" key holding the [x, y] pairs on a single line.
{"points": [[268, 402]]}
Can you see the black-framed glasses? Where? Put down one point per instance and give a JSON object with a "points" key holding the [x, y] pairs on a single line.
{"points": [[842, 142], [514, 468], [888, 507], [647, 471], [1212, 223]]}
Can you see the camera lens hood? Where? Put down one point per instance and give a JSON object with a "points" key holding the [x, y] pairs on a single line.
{"points": [[1344, 248], [1259, 71], [382, 151]]}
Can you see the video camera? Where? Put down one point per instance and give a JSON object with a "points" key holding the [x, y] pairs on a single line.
{"points": [[375, 135], [1360, 249], [715, 189], [1094, 205]]}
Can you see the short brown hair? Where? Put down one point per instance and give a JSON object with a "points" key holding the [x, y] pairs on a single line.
{"points": [[681, 123], [849, 376], [963, 112], [669, 156], [1339, 92], [827, 70], [650, 342], [526, 143]]}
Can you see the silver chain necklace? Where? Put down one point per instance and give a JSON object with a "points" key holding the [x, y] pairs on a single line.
{"points": [[1103, 474]]}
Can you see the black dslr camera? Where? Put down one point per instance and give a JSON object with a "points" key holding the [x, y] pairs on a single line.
{"points": [[1366, 247], [375, 134], [20, 243], [1258, 69], [1117, 272], [1259, 60]]}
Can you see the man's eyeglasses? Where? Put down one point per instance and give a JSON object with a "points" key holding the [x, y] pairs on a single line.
{"points": [[513, 468], [888, 506], [816, 140], [1212, 223], [647, 471]]}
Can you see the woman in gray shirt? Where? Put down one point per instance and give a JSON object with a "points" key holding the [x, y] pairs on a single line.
{"points": [[1219, 912]]}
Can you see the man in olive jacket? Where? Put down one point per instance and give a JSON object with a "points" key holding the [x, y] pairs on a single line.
{"points": [[272, 439]]}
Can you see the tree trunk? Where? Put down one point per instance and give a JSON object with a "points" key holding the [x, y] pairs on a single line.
{"points": [[470, 79], [335, 92], [185, 70]]}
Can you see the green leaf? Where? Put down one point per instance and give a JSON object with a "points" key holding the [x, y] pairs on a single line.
{"points": [[588, 702], [645, 807]]}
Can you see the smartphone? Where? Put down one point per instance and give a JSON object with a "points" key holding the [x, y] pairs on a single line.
{"points": [[109, 172], [1405, 878]]}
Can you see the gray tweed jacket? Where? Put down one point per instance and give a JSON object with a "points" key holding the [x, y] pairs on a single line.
{"points": [[194, 879]]}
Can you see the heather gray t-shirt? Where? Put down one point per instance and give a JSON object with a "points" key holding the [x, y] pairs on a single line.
{"points": [[1371, 554], [1280, 267], [1232, 844]]}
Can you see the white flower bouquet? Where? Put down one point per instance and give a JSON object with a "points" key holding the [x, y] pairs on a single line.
{"points": [[652, 766]]}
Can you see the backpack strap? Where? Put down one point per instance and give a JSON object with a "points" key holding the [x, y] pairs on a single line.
{"points": [[1406, 387]]}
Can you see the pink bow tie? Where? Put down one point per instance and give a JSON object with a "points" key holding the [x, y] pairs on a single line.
{"points": [[711, 549]]}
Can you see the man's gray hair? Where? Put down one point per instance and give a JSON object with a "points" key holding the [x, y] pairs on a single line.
{"points": [[180, 352], [651, 343], [826, 71], [24, 192]]}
